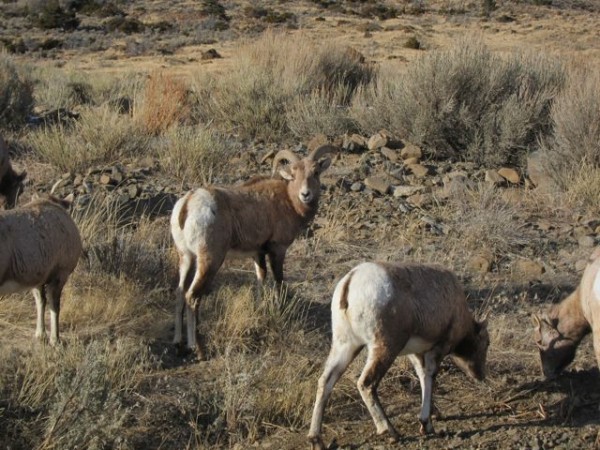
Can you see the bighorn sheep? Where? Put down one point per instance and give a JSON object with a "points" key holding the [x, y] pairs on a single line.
{"points": [[558, 333], [40, 248], [398, 309], [11, 183], [260, 218]]}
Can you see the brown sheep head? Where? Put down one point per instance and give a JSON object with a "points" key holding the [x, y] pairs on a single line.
{"points": [[303, 175], [556, 350]]}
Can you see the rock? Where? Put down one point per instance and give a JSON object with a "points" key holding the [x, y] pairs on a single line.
{"points": [[418, 170], [510, 175], [455, 186], [493, 177], [411, 161], [586, 241], [106, 179], [211, 53], [537, 173], [376, 141], [527, 270], [390, 154], [378, 183], [132, 190], [480, 263], [356, 187], [317, 141], [354, 143], [406, 191], [420, 200], [411, 151]]}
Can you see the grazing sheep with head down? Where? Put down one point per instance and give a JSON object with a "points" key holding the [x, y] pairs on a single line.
{"points": [[11, 182], [259, 219], [40, 248], [398, 309], [559, 332]]}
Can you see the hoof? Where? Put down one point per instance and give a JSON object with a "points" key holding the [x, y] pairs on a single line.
{"points": [[426, 427], [316, 443]]}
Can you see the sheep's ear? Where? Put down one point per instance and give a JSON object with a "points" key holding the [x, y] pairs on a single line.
{"points": [[286, 175], [323, 165], [536, 321], [21, 176]]}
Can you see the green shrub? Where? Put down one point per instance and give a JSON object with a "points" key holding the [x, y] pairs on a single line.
{"points": [[16, 94], [466, 102]]}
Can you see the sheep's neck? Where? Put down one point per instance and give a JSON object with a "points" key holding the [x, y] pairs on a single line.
{"points": [[571, 321]]}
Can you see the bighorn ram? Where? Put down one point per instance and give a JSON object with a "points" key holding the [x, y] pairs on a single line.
{"points": [[558, 333], [398, 309], [11, 183], [260, 219], [39, 249]]}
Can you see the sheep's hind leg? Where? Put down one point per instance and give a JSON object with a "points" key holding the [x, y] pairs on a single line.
{"points": [[378, 362], [337, 362], [54, 292], [39, 294], [205, 273], [185, 266]]}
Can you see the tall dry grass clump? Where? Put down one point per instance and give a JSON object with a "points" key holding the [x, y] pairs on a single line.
{"points": [[164, 103], [16, 93], [466, 102], [263, 92], [573, 150], [100, 136], [193, 154], [76, 396]]}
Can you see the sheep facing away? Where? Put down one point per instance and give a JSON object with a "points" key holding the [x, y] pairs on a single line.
{"points": [[559, 332], [11, 182], [260, 219], [398, 309], [40, 248]]}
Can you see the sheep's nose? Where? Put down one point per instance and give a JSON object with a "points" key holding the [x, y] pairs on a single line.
{"points": [[305, 196]]}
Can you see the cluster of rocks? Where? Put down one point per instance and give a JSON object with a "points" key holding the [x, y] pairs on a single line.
{"points": [[398, 179], [130, 190]]}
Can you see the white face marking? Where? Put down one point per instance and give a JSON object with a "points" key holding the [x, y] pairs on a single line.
{"points": [[11, 287]]}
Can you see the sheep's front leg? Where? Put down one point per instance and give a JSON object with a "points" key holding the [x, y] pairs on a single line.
{"points": [[40, 305], [378, 363], [276, 259], [426, 368]]}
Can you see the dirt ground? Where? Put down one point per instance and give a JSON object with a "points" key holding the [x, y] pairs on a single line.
{"points": [[514, 408]]}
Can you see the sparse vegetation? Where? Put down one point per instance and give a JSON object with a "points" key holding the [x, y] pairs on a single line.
{"points": [[276, 73], [16, 94], [466, 102], [126, 120]]}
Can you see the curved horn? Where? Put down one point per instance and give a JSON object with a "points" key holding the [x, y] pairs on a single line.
{"points": [[287, 155], [323, 150]]}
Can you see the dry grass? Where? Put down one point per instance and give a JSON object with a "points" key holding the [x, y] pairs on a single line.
{"points": [[100, 136], [117, 382], [164, 103], [466, 101], [16, 93], [193, 154], [275, 73]]}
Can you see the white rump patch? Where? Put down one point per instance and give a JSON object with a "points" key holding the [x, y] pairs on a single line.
{"points": [[416, 345], [12, 287]]}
